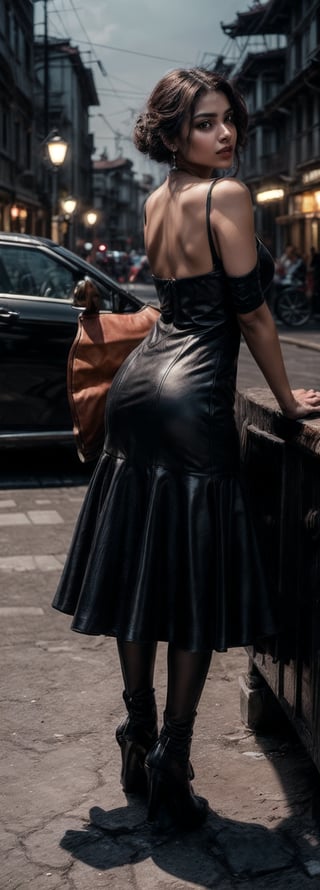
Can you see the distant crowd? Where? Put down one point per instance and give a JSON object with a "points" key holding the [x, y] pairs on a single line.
{"points": [[293, 267], [132, 267]]}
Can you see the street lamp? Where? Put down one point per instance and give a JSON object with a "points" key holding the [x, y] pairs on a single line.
{"points": [[19, 216], [23, 215], [91, 218], [69, 207], [57, 149]]}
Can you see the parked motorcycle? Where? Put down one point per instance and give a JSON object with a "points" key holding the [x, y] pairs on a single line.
{"points": [[291, 304]]}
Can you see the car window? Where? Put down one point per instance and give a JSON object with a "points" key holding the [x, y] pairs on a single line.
{"points": [[25, 270]]}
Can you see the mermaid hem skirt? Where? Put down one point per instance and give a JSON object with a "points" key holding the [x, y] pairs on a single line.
{"points": [[163, 555]]}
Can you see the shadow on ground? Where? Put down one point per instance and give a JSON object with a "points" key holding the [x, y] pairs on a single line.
{"points": [[224, 850]]}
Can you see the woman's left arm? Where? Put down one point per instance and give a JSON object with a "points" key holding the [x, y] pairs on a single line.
{"points": [[233, 224], [261, 336]]}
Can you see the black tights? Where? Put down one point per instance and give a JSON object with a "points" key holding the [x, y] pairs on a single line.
{"points": [[187, 672]]}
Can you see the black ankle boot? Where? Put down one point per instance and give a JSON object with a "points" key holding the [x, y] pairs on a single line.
{"points": [[136, 734], [169, 773]]}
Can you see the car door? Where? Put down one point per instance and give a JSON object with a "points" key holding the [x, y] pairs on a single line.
{"points": [[37, 325]]}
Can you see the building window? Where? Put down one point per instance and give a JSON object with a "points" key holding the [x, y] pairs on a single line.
{"points": [[27, 56], [309, 122], [252, 150], [299, 131], [267, 142], [4, 134], [298, 53], [297, 11], [16, 35], [251, 98], [306, 44], [7, 23], [310, 111], [316, 127], [28, 149], [17, 141], [318, 26], [299, 117]]}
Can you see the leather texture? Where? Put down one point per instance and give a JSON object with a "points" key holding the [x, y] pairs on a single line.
{"points": [[164, 548]]}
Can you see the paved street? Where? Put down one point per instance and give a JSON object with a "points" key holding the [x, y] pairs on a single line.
{"points": [[302, 364], [65, 822]]}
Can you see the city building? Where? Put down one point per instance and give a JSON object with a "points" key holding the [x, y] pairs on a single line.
{"points": [[64, 92], [19, 203], [116, 200], [277, 71]]}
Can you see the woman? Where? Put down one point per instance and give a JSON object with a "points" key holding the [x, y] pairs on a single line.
{"points": [[164, 547]]}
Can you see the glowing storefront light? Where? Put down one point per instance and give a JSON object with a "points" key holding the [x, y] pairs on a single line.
{"points": [[269, 195], [311, 176]]}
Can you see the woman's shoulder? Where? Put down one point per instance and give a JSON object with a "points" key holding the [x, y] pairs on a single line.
{"points": [[231, 200], [230, 190], [226, 193]]}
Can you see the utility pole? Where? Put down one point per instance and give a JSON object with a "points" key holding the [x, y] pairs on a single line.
{"points": [[46, 87], [46, 70], [44, 118]]}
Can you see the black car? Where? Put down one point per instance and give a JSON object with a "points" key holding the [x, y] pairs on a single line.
{"points": [[38, 321]]}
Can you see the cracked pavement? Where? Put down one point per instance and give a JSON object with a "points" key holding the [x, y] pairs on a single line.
{"points": [[65, 823]]}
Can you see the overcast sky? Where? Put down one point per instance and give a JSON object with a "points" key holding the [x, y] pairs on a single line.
{"points": [[130, 44]]}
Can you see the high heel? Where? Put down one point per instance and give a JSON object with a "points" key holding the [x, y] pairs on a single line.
{"points": [[136, 735], [169, 771]]}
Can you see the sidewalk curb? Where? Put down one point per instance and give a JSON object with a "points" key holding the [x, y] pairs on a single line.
{"points": [[304, 344]]}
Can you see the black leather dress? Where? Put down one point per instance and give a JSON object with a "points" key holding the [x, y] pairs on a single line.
{"points": [[164, 547]]}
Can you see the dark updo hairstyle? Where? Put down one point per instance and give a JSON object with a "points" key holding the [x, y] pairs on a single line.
{"points": [[172, 102]]}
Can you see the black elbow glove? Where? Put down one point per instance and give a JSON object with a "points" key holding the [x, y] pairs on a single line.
{"points": [[246, 291]]}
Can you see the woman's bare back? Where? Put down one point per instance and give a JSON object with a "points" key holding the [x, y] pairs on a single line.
{"points": [[176, 236], [175, 229]]}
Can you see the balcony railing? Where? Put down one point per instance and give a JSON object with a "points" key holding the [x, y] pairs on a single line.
{"points": [[268, 164], [276, 163]]}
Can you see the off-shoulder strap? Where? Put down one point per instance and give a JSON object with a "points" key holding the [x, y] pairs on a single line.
{"points": [[215, 257]]}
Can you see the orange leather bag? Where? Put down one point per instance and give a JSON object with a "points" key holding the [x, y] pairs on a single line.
{"points": [[102, 342]]}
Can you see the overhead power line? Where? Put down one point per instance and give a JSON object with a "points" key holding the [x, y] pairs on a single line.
{"points": [[134, 52], [119, 49]]}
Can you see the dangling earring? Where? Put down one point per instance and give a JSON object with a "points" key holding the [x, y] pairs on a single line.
{"points": [[174, 160]]}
